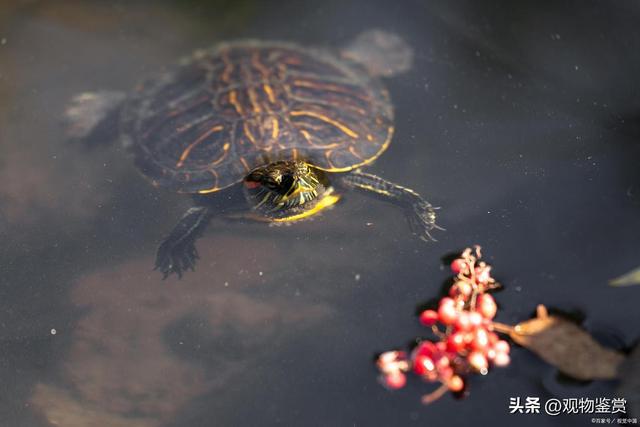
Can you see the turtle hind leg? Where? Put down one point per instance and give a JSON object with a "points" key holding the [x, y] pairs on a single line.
{"points": [[94, 115], [420, 214], [177, 252], [382, 53]]}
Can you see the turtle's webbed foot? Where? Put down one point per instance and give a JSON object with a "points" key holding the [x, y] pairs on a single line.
{"points": [[382, 53], [90, 112], [422, 219], [177, 252], [176, 258]]}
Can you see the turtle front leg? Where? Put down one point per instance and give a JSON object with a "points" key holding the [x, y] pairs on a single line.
{"points": [[177, 252], [420, 214]]}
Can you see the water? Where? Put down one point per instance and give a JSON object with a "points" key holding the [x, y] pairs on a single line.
{"points": [[520, 121]]}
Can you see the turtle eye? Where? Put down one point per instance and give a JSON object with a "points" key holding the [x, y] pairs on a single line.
{"points": [[287, 182], [271, 184]]}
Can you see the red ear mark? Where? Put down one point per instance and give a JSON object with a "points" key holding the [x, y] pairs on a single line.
{"points": [[252, 184]]}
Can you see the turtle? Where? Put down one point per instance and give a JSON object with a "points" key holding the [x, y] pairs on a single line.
{"points": [[271, 130]]}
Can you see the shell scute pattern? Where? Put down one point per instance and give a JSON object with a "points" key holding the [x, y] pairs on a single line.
{"points": [[203, 125]]}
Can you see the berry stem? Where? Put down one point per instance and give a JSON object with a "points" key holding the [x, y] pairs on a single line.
{"points": [[435, 395], [437, 332], [502, 327]]}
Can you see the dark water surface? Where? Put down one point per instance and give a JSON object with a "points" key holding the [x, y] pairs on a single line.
{"points": [[521, 121]]}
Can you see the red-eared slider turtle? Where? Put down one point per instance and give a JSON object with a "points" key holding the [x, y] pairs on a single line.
{"points": [[273, 128]]}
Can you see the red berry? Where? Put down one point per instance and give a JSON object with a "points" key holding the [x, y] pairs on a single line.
{"points": [[441, 346], [453, 291], [456, 342], [475, 319], [502, 347], [428, 317], [459, 265], [478, 361], [447, 312], [480, 340], [395, 381], [455, 383], [425, 367], [486, 305], [425, 348], [501, 359]]}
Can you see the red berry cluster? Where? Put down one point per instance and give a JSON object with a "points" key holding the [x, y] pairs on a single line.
{"points": [[463, 323]]}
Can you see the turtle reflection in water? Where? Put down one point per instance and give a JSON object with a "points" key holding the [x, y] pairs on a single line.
{"points": [[269, 128]]}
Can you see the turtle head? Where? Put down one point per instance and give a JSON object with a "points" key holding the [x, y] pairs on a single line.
{"points": [[286, 190]]}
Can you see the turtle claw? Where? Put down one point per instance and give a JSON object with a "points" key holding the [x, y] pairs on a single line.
{"points": [[422, 220], [176, 258]]}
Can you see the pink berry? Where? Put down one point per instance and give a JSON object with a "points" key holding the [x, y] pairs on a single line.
{"points": [[478, 361], [455, 383], [447, 312], [395, 380], [389, 357], [447, 301], [464, 288], [490, 353], [445, 373], [501, 359], [486, 305], [442, 360], [493, 338], [458, 265], [475, 319], [428, 317], [480, 340], [483, 274], [463, 322], [461, 289], [502, 347]]}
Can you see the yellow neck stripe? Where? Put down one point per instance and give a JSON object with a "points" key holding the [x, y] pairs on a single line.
{"points": [[327, 200]]}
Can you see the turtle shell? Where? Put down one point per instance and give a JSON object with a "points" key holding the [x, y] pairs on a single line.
{"points": [[203, 125]]}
